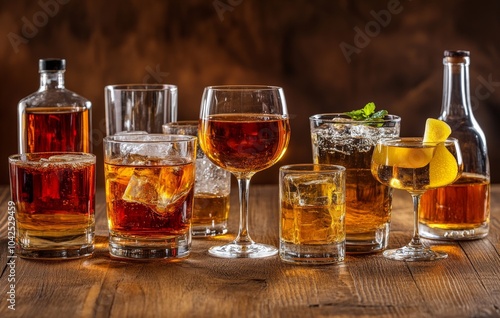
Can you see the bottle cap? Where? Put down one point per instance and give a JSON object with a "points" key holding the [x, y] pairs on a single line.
{"points": [[52, 65], [456, 57], [458, 53]]}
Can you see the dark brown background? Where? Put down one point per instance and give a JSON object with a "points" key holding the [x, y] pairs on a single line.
{"points": [[294, 44]]}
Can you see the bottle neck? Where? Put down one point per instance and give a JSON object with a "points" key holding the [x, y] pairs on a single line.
{"points": [[456, 94], [51, 80]]}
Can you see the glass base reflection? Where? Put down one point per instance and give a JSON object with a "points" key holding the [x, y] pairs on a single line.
{"points": [[240, 250], [414, 254]]}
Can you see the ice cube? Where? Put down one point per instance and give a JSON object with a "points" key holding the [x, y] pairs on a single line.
{"points": [[211, 178], [122, 135], [64, 158], [162, 188], [141, 186], [363, 131], [176, 182], [315, 192], [310, 190], [134, 152]]}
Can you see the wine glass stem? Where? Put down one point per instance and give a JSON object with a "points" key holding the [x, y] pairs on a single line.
{"points": [[244, 191], [415, 240]]}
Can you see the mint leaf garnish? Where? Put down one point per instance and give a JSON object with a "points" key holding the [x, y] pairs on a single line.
{"points": [[379, 115], [367, 113]]}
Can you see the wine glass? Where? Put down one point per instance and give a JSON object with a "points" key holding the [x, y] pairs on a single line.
{"points": [[415, 166], [244, 129]]}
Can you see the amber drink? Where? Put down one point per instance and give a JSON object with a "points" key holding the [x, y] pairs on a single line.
{"points": [[211, 191], [459, 211], [54, 197], [244, 129], [312, 212], [339, 140], [149, 195], [245, 142]]}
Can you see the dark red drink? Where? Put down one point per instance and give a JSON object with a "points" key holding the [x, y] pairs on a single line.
{"points": [[54, 196], [151, 202]]}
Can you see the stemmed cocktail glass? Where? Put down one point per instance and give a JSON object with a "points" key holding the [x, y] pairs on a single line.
{"points": [[415, 166], [244, 129]]}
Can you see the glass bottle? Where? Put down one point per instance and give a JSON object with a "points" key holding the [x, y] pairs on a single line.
{"points": [[460, 211], [54, 118]]}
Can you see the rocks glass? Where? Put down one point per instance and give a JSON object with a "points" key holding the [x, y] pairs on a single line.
{"points": [[54, 198], [149, 194], [312, 212]]}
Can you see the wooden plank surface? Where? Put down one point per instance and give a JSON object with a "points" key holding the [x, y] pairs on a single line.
{"points": [[466, 284]]}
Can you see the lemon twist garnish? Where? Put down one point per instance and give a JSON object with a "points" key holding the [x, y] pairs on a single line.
{"points": [[443, 168], [436, 131]]}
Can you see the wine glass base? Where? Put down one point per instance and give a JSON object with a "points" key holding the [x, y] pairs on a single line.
{"points": [[235, 250], [414, 254]]}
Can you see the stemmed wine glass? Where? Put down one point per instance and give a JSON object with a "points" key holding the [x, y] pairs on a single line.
{"points": [[415, 166], [244, 129]]}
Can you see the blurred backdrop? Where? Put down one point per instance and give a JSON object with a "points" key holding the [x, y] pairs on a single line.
{"points": [[329, 56]]}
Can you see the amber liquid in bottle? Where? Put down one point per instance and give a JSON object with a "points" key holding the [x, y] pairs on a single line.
{"points": [[464, 205], [67, 129]]}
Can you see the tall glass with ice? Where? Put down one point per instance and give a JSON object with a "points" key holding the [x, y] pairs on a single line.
{"points": [[149, 194], [54, 199], [338, 139]]}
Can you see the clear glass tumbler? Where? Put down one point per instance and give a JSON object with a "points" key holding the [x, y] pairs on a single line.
{"points": [[139, 107], [312, 213], [149, 194]]}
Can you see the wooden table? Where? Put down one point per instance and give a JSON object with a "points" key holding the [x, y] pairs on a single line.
{"points": [[466, 284]]}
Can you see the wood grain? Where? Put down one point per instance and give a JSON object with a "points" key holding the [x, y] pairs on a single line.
{"points": [[466, 284]]}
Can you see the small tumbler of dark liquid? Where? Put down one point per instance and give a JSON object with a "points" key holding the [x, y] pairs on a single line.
{"points": [[54, 198]]}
